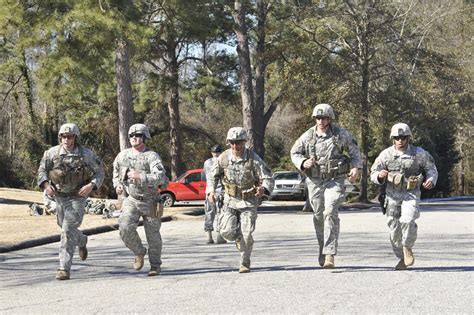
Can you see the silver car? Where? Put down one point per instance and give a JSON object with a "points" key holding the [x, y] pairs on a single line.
{"points": [[289, 185]]}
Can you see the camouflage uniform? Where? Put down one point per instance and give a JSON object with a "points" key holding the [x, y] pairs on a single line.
{"points": [[239, 213], [69, 171], [212, 209], [49, 203], [402, 202], [142, 200], [325, 181]]}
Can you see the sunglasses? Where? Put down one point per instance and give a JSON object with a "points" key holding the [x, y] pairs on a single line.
{"points": [[400, 138], [136, 135], [235, 141], [67, 137]]}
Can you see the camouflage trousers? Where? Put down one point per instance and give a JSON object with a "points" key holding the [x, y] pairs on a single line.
{"points": [[402, 211], [211, 214], [132, 210], [239, 224], [70, 212], [325, 198]]}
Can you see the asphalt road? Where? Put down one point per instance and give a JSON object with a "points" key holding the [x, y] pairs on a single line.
{"points": [[285, 277]]}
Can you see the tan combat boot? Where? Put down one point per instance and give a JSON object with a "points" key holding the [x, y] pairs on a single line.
{"points": [[408, 257], [244, 269], [329, 262], [209, 238], [83, 251], [62, 275], [154, 271], [139, 261], [220, 239], [401, 265]]}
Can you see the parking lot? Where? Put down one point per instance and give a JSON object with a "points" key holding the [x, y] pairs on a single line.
{"points": [[285, 277]]}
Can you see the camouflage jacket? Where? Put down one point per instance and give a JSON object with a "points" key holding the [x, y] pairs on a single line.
{"points": [[208, 165], [415, 161], [69, 171], [240, 175], [329, 151], [150, 166]]}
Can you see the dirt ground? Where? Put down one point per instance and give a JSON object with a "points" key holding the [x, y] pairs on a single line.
{"points": [[16, 224]]}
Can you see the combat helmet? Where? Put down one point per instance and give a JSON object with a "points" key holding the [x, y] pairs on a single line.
{"points": [[216, 148], [69, 128], [236, 133], [323, 110], [400, 129], [139, 128]]}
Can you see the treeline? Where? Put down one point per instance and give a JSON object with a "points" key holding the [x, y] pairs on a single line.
{"points": [[192, 69]]}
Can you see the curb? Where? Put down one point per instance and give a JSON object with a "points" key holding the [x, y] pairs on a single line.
{"points": [[56, 238]]}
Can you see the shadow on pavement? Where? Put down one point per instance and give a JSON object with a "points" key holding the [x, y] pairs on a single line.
{"points": [[461, 206], [345, 269]]}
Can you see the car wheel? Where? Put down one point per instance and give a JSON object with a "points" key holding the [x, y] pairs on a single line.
{"points": [[167, 200]]}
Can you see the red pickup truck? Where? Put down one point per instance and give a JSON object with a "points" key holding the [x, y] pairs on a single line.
{"points": [[189, 186]]}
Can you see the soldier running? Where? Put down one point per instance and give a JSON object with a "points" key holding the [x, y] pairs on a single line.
{"points": [[327, 154], [69, 172], [246, 179], [404, 168], [138, 172]]}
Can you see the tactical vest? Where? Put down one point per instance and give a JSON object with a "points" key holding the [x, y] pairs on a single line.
{"points": [[404, 173], [139, 163], [70, 171], [408, 166], [239, 181], [329, 155]]}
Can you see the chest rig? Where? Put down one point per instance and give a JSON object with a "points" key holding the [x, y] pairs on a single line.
{"points": [[404, 171], [69, 171], [328, 152], [139, 163], [239, 178]]}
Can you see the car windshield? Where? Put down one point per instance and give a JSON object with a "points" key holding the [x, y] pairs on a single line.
{"points": [[180, 177], [195, 177], [287, 176], [191, 177]]}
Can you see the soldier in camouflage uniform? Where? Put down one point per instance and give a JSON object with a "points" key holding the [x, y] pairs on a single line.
{"points": [[327, 154], [69, 172], [138, 172], [403, 167], [212, 210], [246, 179]]}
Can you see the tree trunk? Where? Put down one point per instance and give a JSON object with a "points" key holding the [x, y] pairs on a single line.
{"points": [[364, 124], [29, 91], [258, 122], [124, 92], [11, 140], [245, 77], [173, 109]]}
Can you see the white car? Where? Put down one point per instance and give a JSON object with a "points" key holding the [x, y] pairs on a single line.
{"points": [[289, 185]]}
